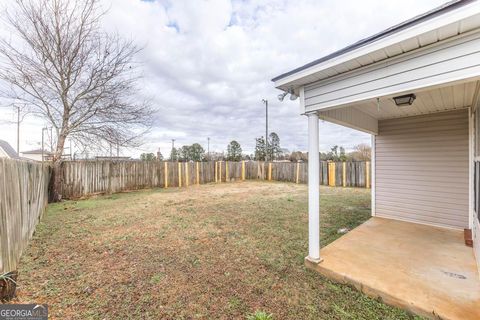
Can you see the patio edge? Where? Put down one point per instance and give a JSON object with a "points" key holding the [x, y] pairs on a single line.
{"points": [[372, 292]]}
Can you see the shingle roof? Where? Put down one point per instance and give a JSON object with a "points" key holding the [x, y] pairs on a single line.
{"points": [[8, 149]]}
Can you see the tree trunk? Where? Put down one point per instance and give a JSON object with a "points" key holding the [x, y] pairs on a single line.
{"points": [[56, 180]]}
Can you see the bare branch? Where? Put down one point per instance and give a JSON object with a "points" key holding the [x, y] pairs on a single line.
{"points": [[80, 79]]}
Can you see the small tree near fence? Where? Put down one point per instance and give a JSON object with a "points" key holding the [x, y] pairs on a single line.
{"points": [[274, 149], [148, 157], [194, 152], [260, 149], [174, 154], [234, 151], [361, 152]]}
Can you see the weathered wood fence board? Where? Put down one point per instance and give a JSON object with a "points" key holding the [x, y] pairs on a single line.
{"points": [[23, 198], [24, 186], [83, 178]]}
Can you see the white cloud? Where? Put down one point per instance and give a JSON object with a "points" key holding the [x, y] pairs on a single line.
{"points": [[208, 64]]}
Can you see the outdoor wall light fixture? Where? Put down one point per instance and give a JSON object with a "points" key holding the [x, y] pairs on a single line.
{"points": [[405, 100], [281, 96], [293, 96]]}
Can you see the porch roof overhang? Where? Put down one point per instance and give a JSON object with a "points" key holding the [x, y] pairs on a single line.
{"points": [[435, 55]]}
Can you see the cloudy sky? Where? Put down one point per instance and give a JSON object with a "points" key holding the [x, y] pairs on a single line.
{"points": [[208, 65]]}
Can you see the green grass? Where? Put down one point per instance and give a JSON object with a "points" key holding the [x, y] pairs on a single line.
{"points": [[260, 315], [227, 251]]}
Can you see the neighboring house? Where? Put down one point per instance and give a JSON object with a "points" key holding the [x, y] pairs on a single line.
{"points": [[416, 88], [37, 155], [6, 150], [112, 158]]}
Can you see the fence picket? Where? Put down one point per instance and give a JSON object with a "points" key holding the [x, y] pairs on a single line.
{"points": [[23, 198], [83, 178]]}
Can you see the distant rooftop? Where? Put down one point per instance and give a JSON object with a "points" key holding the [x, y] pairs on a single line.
{"points": [[112, 158], [37, 151], [8, 149]]}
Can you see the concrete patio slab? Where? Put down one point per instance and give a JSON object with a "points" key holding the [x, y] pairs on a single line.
{"points": [[426, 270]]}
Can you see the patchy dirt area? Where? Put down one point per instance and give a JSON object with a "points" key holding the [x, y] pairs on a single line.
{"points": [[217, 251]]}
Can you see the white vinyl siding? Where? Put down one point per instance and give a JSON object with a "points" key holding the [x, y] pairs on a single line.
{"points": [[422, 169], [444, 62]]}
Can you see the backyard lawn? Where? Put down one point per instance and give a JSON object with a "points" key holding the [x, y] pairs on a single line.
{"points": [[218, 251]]}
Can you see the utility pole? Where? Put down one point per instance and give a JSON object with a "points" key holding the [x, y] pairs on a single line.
{"points": [[208, 148], [51, 139], [173, 147], [43, 139], [265, 101], [18, 129]]}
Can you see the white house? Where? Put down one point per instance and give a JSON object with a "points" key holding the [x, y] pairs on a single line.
{"points": [[36, 154], [416, 88]]}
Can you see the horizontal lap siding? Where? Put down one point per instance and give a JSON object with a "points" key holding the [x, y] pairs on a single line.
{"points": [[456, 58], [422, 169]]}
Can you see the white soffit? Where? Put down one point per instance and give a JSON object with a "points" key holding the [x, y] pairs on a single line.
{"points": [[440, 99]]}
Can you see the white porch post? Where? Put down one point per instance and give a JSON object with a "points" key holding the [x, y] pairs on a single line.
{"points": [[313, 190]]}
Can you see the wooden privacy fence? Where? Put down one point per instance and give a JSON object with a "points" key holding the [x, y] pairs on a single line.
{"points": [[24, 186], [83, 178], [23, 198]]}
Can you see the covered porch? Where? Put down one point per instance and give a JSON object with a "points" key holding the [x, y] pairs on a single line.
{"points": [[426, 270], [415, 88]]}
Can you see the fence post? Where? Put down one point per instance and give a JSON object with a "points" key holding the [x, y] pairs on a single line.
{"points": [[298, 172], [179, 174], [331, 174], [243, 170], [216, 180], [367, 174], [186, 174], [226, 171], [166, 174], [220, 171], [269, 171], [198, 174], [344, 174]]}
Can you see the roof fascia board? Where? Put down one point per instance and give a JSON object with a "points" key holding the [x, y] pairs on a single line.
{"points": [[437, 46], [403, 35]]}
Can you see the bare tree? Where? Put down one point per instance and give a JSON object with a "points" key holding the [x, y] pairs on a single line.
{"points": [[82, 80], [362, 152]]}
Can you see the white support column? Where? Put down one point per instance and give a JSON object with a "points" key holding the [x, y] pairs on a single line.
{"points": [[373, 181], [313, 190], [471, 171]]}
